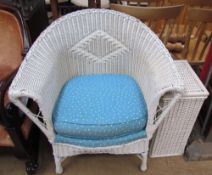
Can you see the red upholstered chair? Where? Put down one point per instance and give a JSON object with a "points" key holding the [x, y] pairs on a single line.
{"points": [[15, 128]]}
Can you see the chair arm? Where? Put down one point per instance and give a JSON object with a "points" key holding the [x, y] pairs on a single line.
{"points": [[157, 109], [40, 80], [157, 76], [162, 111], [154, 93], [155, 90]]}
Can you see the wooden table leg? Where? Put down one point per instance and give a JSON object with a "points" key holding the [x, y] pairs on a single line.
{"points": [[98, 3], [54, 8]]}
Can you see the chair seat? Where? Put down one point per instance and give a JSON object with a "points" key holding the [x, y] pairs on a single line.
{"points": [[100, 107], [101, 142]]}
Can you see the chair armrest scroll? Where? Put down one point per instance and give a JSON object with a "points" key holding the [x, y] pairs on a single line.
{"points": [[37, 117], [43, 88]]}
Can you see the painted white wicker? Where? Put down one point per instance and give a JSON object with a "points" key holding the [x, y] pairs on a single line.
{"points": [[91, 42], [173, 133]]}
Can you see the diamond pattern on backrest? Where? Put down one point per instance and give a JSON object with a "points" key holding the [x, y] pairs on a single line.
{"points": [[99, 46]]}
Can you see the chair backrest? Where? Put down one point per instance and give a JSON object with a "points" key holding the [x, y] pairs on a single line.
{"points": [[160, 19], [142, 2], [182, 22], [200, 3], [14, 39], [196, 45]]}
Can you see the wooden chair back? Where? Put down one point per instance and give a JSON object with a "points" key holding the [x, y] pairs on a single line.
{"points": [[200, 3], [182, 21], [196, 45], [14, 39], [160, 19], [142, 2]]}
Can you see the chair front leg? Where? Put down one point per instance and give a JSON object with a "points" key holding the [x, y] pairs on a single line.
{"points": [[143, 157], [58, 161]]}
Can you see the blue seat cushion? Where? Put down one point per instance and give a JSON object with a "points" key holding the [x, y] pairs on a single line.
{"points": [[100, 142], [100, 107]]}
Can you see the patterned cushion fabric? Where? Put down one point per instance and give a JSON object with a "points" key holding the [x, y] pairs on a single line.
{"points": [[100, 107], [101, 142]]}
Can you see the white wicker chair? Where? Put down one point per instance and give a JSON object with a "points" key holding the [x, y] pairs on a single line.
{"points": [[58, 55]]}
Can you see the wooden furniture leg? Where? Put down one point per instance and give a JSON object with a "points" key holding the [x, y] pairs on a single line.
{"points": [[94, 3], [54, 7]]}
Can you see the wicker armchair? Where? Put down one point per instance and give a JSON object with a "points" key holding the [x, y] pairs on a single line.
{"points": [[90, 42]]}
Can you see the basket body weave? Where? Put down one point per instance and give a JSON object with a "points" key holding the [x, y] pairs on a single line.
{"points": [[173, 133], [95, 42]]}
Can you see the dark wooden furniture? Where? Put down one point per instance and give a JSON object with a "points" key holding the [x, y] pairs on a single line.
{"points": [[33, 13], [54, 6], [161, 20], [17, 133], [198, 36], [94, 3], [205, 117]]}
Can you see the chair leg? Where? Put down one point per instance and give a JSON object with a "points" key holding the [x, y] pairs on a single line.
{"points": [[143, 157], [58, 161], [31, 167]]}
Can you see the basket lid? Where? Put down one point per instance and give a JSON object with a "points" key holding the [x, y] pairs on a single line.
{"points": [[192, 84]]}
